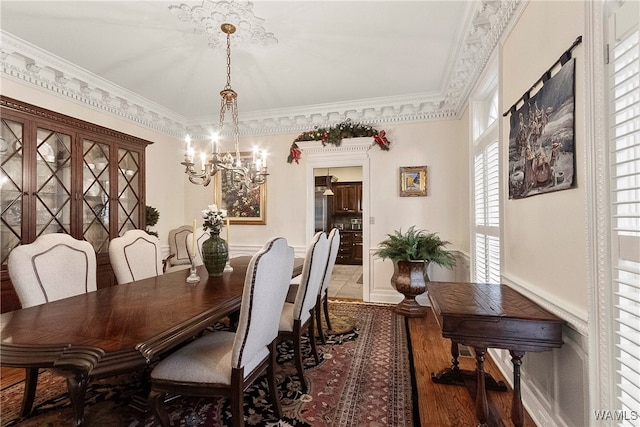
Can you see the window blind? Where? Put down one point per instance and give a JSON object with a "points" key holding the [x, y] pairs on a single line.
{"points": [[625, 221], [487, 214]]}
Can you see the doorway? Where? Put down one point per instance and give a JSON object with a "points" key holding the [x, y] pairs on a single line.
{"points": [[338, 204], [351, 153]]}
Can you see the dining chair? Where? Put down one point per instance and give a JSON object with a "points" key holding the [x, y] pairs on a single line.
{"points": [[53, 267], [297, 317], [225, 363], [202, 235], [178, 258], [135, 256], [322, 304]]}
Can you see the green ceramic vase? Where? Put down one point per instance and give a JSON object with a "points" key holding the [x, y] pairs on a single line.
{"points": [[215, 253]]}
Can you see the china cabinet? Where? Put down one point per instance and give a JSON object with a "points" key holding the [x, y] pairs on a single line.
{"points": [[59, 174]]}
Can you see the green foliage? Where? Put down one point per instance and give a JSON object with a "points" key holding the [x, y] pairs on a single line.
{"points": [[416, 245], [335, 134], [152, 217]]}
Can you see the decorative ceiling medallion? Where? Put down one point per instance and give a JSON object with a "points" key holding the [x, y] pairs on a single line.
{"points": [[208, 18]]}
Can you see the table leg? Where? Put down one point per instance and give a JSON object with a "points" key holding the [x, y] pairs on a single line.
{"points": [[30, 384], [482, 406], [77, 386], [455, 353], [517, 412]]}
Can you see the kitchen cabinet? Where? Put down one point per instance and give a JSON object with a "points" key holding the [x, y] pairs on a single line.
{"points": [[347, 197], [63, 175], [350, 249]]}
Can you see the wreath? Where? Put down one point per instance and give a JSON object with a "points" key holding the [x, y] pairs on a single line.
{"points": [[335, 134]]}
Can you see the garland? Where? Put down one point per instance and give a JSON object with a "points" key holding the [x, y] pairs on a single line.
{"points": [[335, 134]]}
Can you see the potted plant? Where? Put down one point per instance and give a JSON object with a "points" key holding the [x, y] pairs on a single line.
{"points": [[152, 217], [411, 253]]}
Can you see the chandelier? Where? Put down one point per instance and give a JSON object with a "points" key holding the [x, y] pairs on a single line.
{"points": [[241, 177]]}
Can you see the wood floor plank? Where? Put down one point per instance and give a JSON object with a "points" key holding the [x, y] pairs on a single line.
{"points": [[443, 405]]}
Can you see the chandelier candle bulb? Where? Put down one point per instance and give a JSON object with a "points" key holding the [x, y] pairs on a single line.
{"points": [[193, 240]]}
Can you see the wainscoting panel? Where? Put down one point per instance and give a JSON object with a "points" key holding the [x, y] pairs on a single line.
{"points": [[555, 384]]}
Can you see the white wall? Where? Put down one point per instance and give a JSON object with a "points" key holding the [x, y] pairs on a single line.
{"points": [[545, 245]]}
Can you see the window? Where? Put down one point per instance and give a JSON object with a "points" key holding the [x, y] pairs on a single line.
{"points": [[487, 215], [486, 184], [624, 155]]}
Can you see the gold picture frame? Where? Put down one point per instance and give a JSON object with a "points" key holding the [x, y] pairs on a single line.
{"points": [[247, 209], [413, 181]]}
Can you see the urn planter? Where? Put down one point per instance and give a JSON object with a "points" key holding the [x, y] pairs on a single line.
{"points": [[409, 278]]}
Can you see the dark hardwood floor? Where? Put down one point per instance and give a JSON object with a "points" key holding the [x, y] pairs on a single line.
{"points": [[439, 405], [445, 405]]}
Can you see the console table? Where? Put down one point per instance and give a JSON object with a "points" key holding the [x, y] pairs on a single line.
{"points": [[485, 316]]}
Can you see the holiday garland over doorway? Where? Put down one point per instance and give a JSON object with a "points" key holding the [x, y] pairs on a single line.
{"points": [[335, 134]]}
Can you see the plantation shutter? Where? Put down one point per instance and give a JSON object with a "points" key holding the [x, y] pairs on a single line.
{"points": [[487, 214], [624, 156]]}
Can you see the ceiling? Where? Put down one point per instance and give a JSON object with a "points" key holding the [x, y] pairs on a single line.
{"points": [[332, 59]]}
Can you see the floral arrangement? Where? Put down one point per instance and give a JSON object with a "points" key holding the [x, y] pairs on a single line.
{"points": [[213, 219], [335, 134]]}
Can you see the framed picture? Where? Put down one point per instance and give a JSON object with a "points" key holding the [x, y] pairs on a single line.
{"points": [[413, 181], [249, 208]]}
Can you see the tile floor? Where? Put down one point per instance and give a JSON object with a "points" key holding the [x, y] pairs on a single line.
{"points": [[344, 282]]}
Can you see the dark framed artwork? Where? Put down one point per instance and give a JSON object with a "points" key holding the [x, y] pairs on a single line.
{"points": [[249, 208], [413, 181], [542, 138]]}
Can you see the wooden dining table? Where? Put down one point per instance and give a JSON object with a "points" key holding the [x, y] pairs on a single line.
{"points": [[118, 329]]}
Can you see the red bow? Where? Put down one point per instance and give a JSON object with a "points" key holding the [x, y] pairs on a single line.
{"points": [[382, 140], [295, 154]]}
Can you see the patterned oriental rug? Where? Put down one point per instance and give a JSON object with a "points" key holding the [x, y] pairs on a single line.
{"points": [[364, 378]]}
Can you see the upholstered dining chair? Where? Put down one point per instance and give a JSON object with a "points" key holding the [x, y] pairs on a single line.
{"points": [[297, 317], [178, 258], [225, 363], [135, 256], [53, 267], [322, 304], [201, 236]]}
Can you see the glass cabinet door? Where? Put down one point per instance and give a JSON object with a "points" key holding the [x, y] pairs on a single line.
{"points": [[11, 186], [96, 195], [128, 190], [53, 182]]}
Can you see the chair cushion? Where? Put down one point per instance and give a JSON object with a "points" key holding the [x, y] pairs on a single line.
{"points": [[286, 318], [207, 360]]}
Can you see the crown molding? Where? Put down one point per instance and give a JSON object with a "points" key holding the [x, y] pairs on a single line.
{"points": [[485, 23]]}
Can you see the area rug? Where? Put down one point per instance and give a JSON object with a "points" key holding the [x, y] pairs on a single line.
{"points": [[364, 378]]}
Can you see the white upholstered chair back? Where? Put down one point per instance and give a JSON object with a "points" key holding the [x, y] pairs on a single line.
{"points": [[202, 236], [334, 246], [178, 252], [315, 263], [53, 267], [135, 256], [265, 289]]}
